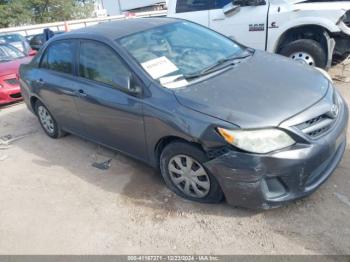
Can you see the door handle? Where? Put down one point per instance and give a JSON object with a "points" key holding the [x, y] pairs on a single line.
{"points": [[68, 92], [81, 92], [218, 18], [40, 81]]}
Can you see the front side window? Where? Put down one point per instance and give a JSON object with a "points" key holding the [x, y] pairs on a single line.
{"points": [[180, 48], [60, 57], [183, 6], [100, 63], [221, 3]]}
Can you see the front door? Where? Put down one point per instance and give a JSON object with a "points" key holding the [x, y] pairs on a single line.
{"points": [[192, 10], [247, 24], [110, 115]]}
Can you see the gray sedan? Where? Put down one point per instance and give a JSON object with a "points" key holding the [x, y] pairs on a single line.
{"points": [[218, 119]]}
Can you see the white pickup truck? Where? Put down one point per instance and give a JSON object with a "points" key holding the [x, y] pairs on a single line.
{"points": [[310, 31]]}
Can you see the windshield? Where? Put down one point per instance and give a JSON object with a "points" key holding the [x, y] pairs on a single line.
{"points": [[179, 49], [8, 53]]}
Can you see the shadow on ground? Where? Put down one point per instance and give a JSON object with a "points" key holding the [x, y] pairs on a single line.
{"points": [[134, 181], [319, 222]]}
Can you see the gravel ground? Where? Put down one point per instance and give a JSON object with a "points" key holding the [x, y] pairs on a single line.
{"points": [[53, 201]]}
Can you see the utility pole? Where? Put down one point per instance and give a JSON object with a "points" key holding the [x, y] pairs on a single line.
{"points": [[119, 6]]}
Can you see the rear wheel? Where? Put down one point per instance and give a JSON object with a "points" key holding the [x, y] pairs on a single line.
{"points": [[47, 122], [184, 173], [306, 51]]}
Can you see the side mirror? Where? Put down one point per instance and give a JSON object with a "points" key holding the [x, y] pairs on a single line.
{"points": [[230, 8], [126, 83]]}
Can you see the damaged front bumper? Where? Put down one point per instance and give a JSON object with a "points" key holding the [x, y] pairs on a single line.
{"points": [[262, 181], [342, 40]]}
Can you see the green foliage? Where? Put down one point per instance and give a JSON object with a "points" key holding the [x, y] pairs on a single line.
{"points": [[24, 12], [13, 13]]}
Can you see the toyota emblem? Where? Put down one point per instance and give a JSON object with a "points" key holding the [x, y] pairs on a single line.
{"points": [[334, 110]]}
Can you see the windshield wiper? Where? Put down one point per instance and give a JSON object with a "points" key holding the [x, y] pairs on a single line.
{"points": [[217, 66]]}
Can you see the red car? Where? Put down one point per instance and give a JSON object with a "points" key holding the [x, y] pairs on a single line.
{"points": [[10, 60]]}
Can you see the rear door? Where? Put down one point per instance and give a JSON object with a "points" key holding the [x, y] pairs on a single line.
{"points": [[110, 115], [247, 25], [56, 84], [192, 10]]}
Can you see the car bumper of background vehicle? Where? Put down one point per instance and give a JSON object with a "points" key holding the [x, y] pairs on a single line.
{"points": [[271, 180], [342, 47], [9, 94]]}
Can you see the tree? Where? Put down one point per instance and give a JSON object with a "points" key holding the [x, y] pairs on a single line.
{"points": [[13, 13], [22, 12]]}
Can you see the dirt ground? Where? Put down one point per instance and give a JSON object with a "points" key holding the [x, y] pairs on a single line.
{"points": [[53, 201]]}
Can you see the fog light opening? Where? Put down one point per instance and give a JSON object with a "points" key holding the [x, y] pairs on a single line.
{"points": [[273, 188]]}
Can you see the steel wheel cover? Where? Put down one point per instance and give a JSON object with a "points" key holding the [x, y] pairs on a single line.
{"points": [[46, 119], [303, 58], [189, 176]]}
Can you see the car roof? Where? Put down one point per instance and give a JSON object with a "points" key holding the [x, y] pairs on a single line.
{"points": [[5, 44], [118, 29], [6, 34]]}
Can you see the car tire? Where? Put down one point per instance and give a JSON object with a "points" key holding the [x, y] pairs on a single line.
{"points": [[47, 121], [202, 185], [306, 51]]}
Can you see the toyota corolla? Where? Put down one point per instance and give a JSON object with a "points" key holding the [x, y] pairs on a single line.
{"points": [[219, 120]]}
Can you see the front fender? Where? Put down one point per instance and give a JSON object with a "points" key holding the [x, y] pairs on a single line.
{"points": [[284, 20]]}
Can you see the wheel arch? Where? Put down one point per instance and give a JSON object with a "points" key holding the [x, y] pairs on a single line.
{"points": [[310, 31], [33, 100], [164, 141]]}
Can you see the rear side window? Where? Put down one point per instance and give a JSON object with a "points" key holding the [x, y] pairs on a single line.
{"points": [[59, 56], [98, 62], [183, 6]]}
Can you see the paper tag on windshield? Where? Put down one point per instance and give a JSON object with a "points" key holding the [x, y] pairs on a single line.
{"points": [[169, 79], [176, 84], [159, 67], [173, 81]]}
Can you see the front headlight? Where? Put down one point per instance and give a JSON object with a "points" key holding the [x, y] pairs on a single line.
{"points": [[257, 141]]}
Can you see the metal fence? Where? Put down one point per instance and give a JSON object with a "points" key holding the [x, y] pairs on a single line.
{"points": [[74, 24]]}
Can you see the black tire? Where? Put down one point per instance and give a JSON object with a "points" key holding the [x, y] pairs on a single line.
{"points": [[311, 47], [215, 194], [56, 132]]}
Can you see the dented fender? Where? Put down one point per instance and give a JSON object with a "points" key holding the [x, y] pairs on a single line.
{"points": [[284, 16]]}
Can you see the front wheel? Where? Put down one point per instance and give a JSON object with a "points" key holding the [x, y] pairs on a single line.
{"points": [[183, 171], [306, 51]]}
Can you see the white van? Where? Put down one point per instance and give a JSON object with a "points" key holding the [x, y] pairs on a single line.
{"points": [[310, 31]]}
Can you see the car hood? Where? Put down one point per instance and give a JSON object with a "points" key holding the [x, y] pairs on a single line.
{"points": [[11, 67], [330, 2], [331, 10], [263, 91]]}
